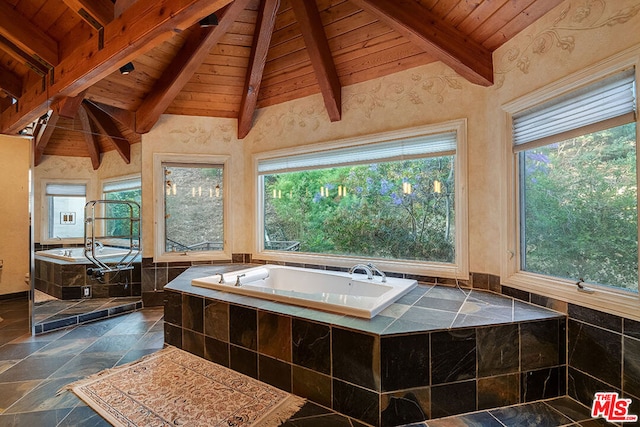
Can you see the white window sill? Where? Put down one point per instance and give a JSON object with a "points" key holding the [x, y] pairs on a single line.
{"points": [[620, 303]]}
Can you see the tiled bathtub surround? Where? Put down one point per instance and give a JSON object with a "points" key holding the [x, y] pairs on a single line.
{"points": [[603, 351], [64, 280], [155, 275], [437, 351]]}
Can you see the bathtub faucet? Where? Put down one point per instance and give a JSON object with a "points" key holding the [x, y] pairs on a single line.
{"points": [[375, 269], [221, 277], [238, 279], [91, 243], [362, 267]]}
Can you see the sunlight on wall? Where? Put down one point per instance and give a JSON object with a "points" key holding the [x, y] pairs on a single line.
{"points": [[14, 213]]}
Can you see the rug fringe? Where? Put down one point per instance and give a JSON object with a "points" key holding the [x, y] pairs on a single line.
{"points": [[286, 410]]}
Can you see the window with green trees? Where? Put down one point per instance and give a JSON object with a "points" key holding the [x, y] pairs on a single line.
{"points": [[391, 200], [578, 185], [122, 190]]}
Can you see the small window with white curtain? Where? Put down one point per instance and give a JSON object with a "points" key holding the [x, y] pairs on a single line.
{"points": [[65, 210], [394, 199], [576, 162]]}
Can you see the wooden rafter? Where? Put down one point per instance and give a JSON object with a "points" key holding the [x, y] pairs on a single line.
{"points": [[418, 24], [26, 36], [143, 25], [29, 61], [257, 60], [68, 106], [89, 137], [124, 117], [191, 55], [105, 124], [65, 107], [99, 12], [5, 102], [122, 5], [10, 83], [43, 137], [317, 45]]}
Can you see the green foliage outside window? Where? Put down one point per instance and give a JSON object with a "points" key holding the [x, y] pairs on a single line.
{"points": [[362, 210], [121, 228], [579, 209]]}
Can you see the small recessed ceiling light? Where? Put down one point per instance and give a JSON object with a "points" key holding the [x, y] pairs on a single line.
{"points": [[127, 68], [209, 21]]}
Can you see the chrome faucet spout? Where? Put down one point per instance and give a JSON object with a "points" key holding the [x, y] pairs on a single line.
{"points": [[375, 269], [363, 267], [238, 279], [221, 277]]}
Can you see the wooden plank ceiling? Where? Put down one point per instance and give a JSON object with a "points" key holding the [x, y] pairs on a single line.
{"points": [[60, 59]]}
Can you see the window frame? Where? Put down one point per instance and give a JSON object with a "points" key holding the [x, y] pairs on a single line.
{"points": [[45, 207], [160, 254], [106, 181], [459, 269], [611, 300]]}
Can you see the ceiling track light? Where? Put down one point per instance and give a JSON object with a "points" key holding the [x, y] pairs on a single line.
{"points": [[127, 68], [209, 21]]}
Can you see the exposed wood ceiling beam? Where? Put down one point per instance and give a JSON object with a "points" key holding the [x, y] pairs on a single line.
{"points": [[29, 38], [39, 67], [64, 107], [68, 106], [5, 102], [125, 117], [107, 127], [257, 60], [142, 26], [42, 139], [122, 5], [418, 24], [89, 138], [192, 54], [98, 11], [10, 83], [317, 45]]}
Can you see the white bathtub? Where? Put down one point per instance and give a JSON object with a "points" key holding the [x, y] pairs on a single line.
{"points": [[77, 254], [324, 290]]}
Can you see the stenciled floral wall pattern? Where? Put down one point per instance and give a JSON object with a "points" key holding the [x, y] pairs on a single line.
{"points": [[389, 92], [569, 27], [421, 87]]}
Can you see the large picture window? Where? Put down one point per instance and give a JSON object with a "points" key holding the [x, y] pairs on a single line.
{"points": [[577, 185], [390, 200]]}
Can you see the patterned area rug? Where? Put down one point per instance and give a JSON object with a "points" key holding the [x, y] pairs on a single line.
{"points": [[175, 388], [40, 297]]}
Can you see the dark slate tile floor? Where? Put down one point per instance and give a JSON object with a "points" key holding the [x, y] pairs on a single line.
{"points": [[560, 411], [34, 368], [58, 314]]}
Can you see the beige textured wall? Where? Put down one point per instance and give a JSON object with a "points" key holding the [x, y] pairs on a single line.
{"points": [[14, 213], [573, 35], [73, 168], [196, 135]]}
